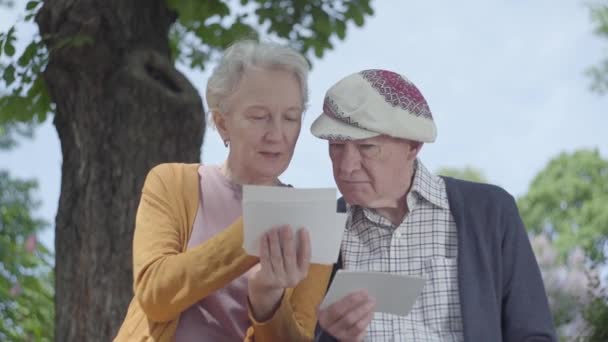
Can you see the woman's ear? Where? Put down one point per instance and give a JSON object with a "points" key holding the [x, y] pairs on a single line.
{"points": [[219, 121]]}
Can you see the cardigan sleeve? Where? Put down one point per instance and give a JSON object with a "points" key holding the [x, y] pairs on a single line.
{"points": [[296, 316], [525, 309], [167, 280]]}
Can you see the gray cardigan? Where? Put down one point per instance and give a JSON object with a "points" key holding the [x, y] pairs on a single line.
{"points": [[501, 290]]}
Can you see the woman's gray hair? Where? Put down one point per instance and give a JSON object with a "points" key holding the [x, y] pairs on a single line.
{"points": [[247, 53]]}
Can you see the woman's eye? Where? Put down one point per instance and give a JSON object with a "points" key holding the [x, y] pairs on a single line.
{"points": [[258, 117], [292, 115]]}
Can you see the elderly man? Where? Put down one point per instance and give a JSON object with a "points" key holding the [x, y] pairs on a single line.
{"points": [[467, 239]]}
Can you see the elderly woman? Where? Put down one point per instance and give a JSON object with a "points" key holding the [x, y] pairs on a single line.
{"points": [[192, 279]]}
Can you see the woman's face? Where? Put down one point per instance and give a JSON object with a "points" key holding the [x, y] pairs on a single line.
{"points": [[262, 121]]}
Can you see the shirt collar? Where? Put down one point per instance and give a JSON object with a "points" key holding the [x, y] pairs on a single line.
{"points": [[429, 186]]}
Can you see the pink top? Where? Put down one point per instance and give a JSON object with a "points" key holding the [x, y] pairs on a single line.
{"points": [[221, 316]]}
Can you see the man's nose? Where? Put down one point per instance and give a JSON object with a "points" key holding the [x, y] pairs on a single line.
{"points": [[350, 161]]}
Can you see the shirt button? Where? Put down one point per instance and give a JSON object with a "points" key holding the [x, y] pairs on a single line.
{"points": [[398, 235]]}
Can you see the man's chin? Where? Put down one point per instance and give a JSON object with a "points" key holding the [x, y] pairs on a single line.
{"points": [[354, 198]]}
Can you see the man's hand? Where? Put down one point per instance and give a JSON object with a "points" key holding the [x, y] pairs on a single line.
{"points": [[348, 318]]}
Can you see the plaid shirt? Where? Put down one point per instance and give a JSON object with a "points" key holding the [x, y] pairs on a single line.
{"points": [[424, 244]]}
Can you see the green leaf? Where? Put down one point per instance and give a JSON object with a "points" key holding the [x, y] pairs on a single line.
{"points": [[599, 73], [9, 39], [340, 27], [196, 11], [318, 50], [358, 18], [9, 49], [15, 107], [28, 54], [41, 105], [31, 5], [9, 75], [367, 8], [322, 24], [175, 38], [355, 13], [239, 30]]}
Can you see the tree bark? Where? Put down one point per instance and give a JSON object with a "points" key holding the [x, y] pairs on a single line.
{"points": [[121, 108]]}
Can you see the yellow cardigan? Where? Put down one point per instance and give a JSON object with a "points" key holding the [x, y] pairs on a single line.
{"points": [[168, 279]]}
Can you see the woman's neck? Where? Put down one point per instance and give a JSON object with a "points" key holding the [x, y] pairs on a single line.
{"points": [[232, 173]]}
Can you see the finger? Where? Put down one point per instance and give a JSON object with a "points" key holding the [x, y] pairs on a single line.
{"points": [[288, 246], [303, 251], [332, 314], [276, 255], [355, 322], [365, 323], [265, 263]]}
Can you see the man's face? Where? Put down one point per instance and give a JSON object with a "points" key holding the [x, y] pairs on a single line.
{"points": [[374, 172]]}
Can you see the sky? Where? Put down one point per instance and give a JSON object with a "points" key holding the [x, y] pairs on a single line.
{"points": [[505, 81]]}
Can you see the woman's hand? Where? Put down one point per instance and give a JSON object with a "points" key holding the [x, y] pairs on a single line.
{"points": [[348, 318], [282, 265]]}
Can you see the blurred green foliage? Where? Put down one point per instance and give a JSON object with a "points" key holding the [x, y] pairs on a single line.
{"points": [[26, 266]]}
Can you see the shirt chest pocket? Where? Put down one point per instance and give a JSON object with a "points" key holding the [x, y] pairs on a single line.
{"points": [[440, 300]]}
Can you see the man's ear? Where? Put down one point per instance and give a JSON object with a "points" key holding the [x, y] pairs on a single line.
{"points": [[415, 147]]}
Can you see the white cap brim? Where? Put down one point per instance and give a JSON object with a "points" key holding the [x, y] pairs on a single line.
{"points": [[328, 128]]}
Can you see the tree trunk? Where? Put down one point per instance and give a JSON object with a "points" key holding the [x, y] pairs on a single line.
{"points": [[122, 108]]}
